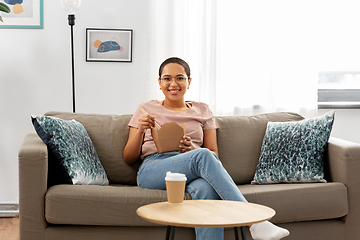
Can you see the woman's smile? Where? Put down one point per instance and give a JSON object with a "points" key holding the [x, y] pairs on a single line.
{"points": [[174, 91]]}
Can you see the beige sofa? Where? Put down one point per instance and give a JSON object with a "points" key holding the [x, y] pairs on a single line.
{"points": [[309, 210]]}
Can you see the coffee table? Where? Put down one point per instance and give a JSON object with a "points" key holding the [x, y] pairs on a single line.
{"points": [[205, 213]]}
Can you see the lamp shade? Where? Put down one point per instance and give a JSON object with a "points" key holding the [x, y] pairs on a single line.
{"points": [[70, 5]]}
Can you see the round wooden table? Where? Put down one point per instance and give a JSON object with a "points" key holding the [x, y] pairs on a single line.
{"points": [[205, 213]]}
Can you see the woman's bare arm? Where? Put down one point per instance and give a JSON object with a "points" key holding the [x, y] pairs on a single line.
{"points": [[210, 141], [132, 149], [133, 146]]}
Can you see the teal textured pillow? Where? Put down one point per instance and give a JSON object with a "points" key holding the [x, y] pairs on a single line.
{"points": [[293, 151], [72, 149]]}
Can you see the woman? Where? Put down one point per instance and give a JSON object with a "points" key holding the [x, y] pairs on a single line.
{"points": [[197, 156]]}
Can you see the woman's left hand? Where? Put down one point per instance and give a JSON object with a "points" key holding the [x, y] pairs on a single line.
{"points": [[186, 144]]}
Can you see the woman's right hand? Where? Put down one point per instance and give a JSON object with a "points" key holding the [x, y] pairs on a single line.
{"points": [[146, 121]]}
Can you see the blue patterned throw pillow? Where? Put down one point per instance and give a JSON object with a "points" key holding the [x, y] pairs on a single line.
{"points": [[293, 151], [72, 150]]}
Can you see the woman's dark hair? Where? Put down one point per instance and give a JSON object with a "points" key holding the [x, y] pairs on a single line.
{"points": [[175, 60]]}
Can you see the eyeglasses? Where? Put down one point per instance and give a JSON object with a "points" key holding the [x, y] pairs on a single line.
{"points": [[178, 80]]}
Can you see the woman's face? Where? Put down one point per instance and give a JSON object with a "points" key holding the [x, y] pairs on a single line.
{"points": [[172, 89]]}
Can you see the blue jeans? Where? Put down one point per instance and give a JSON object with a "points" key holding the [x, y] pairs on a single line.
{"points": [[206, 179]]}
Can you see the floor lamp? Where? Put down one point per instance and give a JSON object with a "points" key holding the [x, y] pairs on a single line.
{"points": [[71, 6]]}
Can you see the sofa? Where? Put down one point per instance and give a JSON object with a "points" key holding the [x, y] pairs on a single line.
{"points": [[63, 211]]}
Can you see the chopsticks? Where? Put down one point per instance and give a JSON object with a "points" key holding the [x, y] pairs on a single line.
{"points": [[157, 126]]}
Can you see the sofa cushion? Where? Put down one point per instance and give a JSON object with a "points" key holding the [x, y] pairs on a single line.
{"points": [[293, 151], [113, 205], [72, 149], [296, 202], [240, 139], [109, 135], [116, 205]]}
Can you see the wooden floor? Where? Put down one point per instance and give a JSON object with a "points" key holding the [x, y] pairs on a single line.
{"points": [[9, 228]]}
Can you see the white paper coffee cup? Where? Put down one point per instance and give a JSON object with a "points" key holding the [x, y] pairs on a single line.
{"points": [[175, 187]]}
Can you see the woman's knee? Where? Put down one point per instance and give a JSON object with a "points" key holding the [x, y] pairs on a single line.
{"points": [[207, 158], [205, 153]]}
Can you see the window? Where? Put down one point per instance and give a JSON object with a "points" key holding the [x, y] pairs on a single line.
{"points": [[339, 90]]}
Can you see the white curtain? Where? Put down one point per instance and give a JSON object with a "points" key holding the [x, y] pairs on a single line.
{"points": [[185, 29], [246, 57]]}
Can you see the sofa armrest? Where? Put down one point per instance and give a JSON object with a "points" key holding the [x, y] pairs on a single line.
{"points": [[33, 167], [344, 166], [343, 161]]}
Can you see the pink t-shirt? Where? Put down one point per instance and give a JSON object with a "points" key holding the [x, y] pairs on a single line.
{"points": [[198, 118]]}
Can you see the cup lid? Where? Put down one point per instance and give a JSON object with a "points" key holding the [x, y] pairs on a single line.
{"points": [[175, 176]]}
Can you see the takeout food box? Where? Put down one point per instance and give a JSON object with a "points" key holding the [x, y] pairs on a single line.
{"points": [[168, 137]]}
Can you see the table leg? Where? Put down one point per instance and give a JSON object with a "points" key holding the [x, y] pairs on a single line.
{"points": [[237, 233], [170, 233], [243, 233]]}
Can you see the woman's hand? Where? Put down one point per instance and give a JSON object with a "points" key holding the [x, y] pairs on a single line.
{"points": [[186, 144], [146, 121]]}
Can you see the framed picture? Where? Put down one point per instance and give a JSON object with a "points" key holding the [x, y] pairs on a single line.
{"points": [[23, 14], [108, 45]]}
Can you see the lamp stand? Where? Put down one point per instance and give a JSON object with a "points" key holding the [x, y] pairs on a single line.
{"points": [[71, 19]]}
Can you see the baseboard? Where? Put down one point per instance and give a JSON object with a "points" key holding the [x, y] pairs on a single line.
{"points": [[9, 210]]}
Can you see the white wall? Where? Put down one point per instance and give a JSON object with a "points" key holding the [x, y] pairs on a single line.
{"points": [[346, 124], [35, 76]]}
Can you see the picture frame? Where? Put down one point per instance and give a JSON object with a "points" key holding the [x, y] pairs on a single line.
{"points": [[24, 14], [109, 45]]}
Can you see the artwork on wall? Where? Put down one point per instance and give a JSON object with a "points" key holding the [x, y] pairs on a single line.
{"points": [[23, 14], [108, 45]]}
